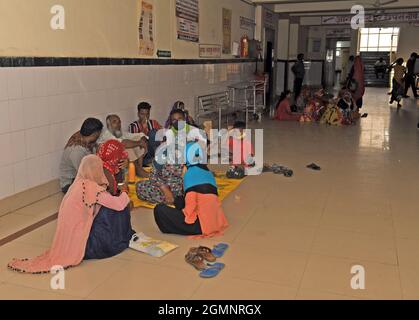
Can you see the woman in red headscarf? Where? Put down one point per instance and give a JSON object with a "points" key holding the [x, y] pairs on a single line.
{"points": [[113, 155], [356, 81]]}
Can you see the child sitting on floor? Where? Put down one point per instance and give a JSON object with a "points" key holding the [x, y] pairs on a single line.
{"points": [[302, 100], [240, 151], [346, 106]]}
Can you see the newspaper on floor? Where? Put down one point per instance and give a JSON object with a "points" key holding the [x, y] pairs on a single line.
{"points": [[150, 246]]}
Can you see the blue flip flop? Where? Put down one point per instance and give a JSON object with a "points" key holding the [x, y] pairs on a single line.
{"points": [[210, 273], [219, 249], [217, 265]]}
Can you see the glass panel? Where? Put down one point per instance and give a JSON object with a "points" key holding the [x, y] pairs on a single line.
{"points": [[386, 30], [364, 30], [385, 40], [363, 49], [396, 31], [374, 30], [395, 41], [372, 49], [364, 40], [386, 49], [373, 40]]}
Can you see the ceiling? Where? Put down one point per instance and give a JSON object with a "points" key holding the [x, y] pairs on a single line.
{"points": [[307, 6]]}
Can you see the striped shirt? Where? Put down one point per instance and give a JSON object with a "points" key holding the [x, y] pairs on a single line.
{"points": [[137, 127]]}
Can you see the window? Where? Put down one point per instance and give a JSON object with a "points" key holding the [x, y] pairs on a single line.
{"points": [[379, 39]]}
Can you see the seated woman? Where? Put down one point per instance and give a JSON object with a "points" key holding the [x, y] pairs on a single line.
{"points": [[200, 213], [165, 183], [179, 105], [114, 156], [283, 109], [75, 238]]}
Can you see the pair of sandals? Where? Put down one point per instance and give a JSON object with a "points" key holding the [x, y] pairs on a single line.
{"points": [[278, 169], [204, 259]]}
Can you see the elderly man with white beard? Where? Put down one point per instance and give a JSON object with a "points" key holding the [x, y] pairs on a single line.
{"points": [[134, 143]]}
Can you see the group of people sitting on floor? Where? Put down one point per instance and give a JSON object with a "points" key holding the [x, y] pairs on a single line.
{"points": [[315, 105], [94, 220]]}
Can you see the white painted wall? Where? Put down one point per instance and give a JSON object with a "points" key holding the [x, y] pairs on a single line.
{"points": [[293, 40], [408, 41], [41, 108], [283, 39]]}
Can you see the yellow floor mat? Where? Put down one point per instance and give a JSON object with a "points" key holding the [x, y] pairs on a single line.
{"points": [[225, 187]]}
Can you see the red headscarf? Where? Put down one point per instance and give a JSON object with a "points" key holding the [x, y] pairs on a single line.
{"points": [[112, 152]]}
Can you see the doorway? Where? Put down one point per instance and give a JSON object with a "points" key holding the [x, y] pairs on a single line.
{"points": [[269, 64]]}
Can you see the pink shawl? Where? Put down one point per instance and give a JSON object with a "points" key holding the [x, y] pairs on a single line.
{"points": [[75, 218]]}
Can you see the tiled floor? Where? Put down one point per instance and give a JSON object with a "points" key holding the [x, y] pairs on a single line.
{"points": [[291, 238]]}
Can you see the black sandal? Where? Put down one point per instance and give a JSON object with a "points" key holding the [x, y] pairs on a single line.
{"points": [[314, 167]]}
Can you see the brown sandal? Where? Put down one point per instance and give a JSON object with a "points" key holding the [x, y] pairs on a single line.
{"points": [[196, 260], [205, 253]]}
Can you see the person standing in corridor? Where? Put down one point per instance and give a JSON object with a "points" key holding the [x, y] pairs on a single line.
{"points": [[299, 73], [411, 76]]}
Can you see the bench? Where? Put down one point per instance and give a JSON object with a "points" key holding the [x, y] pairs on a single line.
{"points": [[215, 104]]}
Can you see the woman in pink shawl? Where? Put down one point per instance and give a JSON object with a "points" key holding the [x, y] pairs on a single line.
{"points": [[356, 81], [77, 214]]}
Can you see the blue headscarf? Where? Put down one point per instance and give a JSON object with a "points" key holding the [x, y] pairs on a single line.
{"points": [[197, 174]]}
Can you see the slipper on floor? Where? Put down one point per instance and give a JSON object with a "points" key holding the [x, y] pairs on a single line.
{"points": [[219, 250], [235, 173], [196, 260], [314, 167], [209, 273], [277, 169], [364, 115], [217, 265]]}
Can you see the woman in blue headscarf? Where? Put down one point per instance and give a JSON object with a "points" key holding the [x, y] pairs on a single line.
{"points": [[200, 214]]}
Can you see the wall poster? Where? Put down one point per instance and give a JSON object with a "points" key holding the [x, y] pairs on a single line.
{"points": [[187, 14], [145, 30], [227, 16]]}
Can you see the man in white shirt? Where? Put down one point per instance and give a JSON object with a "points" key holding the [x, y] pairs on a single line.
{"points": [[134, 143]]}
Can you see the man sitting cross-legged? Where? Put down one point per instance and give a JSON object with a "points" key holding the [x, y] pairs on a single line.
{"points": [[136, 144]]}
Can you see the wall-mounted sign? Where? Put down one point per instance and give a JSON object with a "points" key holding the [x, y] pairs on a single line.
{"points": [[187, 14], [145, 30], [227, 16], [209, 51], [370, 18], [338, 33], [164, 54], [247, 24]]}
